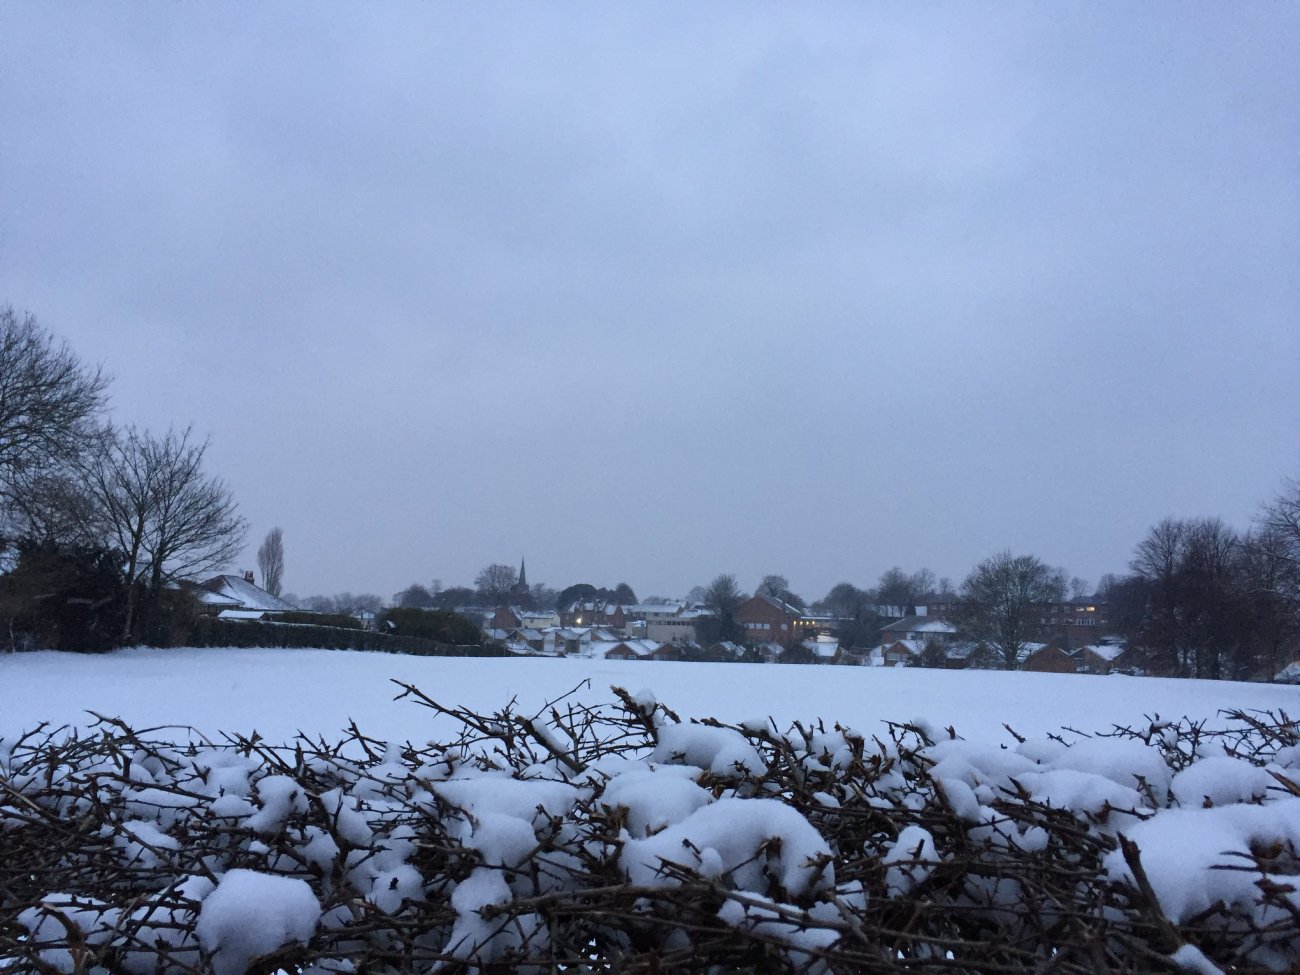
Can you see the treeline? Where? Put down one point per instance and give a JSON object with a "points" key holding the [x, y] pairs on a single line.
{"points": [[1206, 600], [1201, 599]]}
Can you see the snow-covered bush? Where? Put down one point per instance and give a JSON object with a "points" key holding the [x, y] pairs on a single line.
{"points": [[619, 838]]}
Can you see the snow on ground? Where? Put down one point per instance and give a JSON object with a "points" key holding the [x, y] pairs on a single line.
{"points": [[281, 692]]}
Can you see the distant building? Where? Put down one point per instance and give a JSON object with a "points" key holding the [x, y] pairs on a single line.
{"points": [[238, 597], [593, 612], [921, 629], [1050, 660], [1068, 624], [766, 619]]}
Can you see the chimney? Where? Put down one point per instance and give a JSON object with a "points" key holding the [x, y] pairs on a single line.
{"points": [[248, 576]]}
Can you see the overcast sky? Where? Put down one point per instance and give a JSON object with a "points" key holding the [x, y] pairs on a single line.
{"points": [[649, 293]]}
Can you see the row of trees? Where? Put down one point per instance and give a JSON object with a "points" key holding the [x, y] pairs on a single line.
{"points": [[1202, 599], [1205, 600], [97, 522], [498, 585]]}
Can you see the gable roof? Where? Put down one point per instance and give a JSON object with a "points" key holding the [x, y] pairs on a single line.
{"points": [[913, 647], [1106, 651], [246, 595], [920, 624], [658, 609], [772, 601], [209, 598]]}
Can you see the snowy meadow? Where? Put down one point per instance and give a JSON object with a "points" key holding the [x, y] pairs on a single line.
{"points": [[279, 693], [529, 815]]}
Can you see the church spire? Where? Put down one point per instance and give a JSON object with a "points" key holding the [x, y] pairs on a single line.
{"points": [[523, 574]]}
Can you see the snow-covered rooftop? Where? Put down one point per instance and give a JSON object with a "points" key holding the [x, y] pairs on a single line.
{"points": [[246, 595], [920, 624], [241, 614], [822, 649], [1105, 651]]}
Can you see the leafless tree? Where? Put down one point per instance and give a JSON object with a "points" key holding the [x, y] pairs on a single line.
{"points": [[723, 595], [1282, 517], [170, 519], [845, 601], [366, 600], [1271, 580], [52, 505], [778, 587], [1193, 579], [315, 604], [414, 596], [49, 404], [901, 592], [270, 560], [1000, 597], [495, 581]]}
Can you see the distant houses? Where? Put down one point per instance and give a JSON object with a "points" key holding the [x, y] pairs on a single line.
{"points": [[771, 631], [774, 631]]}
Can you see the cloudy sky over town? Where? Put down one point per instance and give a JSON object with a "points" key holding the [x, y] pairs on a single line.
{"points": [[650, 293]]}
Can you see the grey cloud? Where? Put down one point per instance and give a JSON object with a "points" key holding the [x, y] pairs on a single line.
{"points": [[655, 293]]}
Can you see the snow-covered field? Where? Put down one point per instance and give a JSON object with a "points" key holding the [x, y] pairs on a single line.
{"points": [[692, 803], [281, 692]]}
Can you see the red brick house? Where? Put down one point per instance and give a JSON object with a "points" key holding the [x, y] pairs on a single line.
{"points": [[901, 653], [505, 618], [768, 620], [1050, 660], [921, 629], [1103, 658]]}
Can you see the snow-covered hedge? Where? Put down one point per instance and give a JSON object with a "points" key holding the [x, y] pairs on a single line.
{"points": [[620, 839]]}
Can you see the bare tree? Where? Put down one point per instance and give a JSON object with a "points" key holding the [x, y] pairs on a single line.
{"points": [[1282, 517], [1271, 584], [315, 604], [723, 595], [414, 596], [495, 582], [49, 404], [170, 519], [845, 601], [901, 592], [52, 505], [778, 587], [1000, 597], [270, 560], [49, 400], [353, 602], [1196, 619]]}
